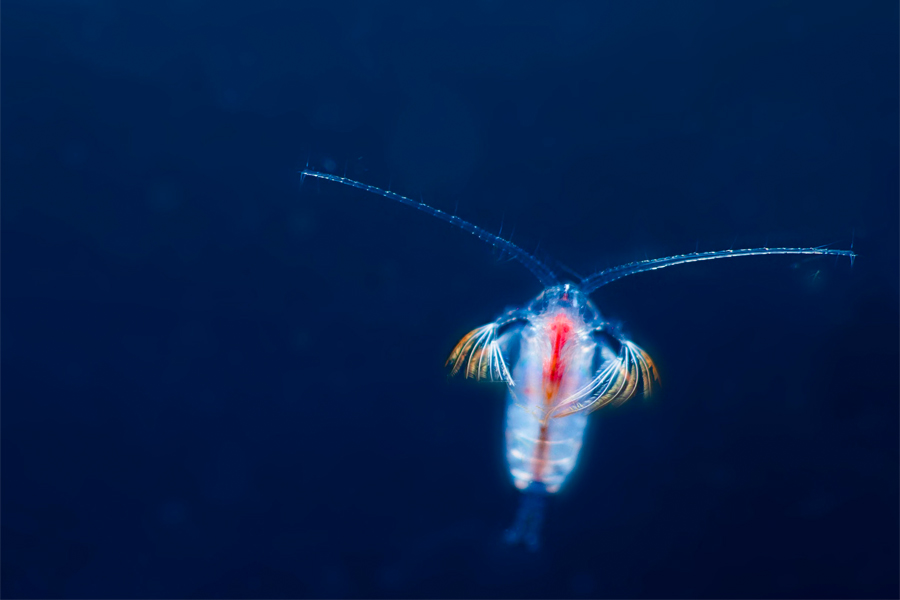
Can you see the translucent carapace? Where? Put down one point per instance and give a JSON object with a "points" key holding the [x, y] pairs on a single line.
{"points": [[559, 359]]}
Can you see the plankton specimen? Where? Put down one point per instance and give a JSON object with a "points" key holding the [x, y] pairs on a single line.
{"points": [[559, 359]]}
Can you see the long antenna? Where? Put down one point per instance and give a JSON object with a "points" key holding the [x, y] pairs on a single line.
{"points": [[589, 284], [539, 269]]}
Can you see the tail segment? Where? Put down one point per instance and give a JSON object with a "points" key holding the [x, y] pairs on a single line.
{"points": [[526, 529]]}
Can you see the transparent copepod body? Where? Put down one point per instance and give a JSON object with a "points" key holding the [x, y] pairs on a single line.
{"points": [[556, 358]]}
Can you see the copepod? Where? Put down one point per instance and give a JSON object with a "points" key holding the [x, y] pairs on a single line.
{"points": [[559, 359]]}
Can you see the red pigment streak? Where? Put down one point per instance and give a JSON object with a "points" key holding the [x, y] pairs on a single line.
{"points": [[554, 369]]}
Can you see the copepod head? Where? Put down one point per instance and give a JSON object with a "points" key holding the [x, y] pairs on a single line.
{"points": [[565, 297]]}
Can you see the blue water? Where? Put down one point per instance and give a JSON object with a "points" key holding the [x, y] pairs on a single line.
{"points": [[219, 383]]}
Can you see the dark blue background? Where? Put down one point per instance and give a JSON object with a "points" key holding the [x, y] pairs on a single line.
{"points": [[218, 383]]}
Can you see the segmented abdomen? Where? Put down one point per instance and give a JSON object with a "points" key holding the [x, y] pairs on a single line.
{"points": [[541, 453]]}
